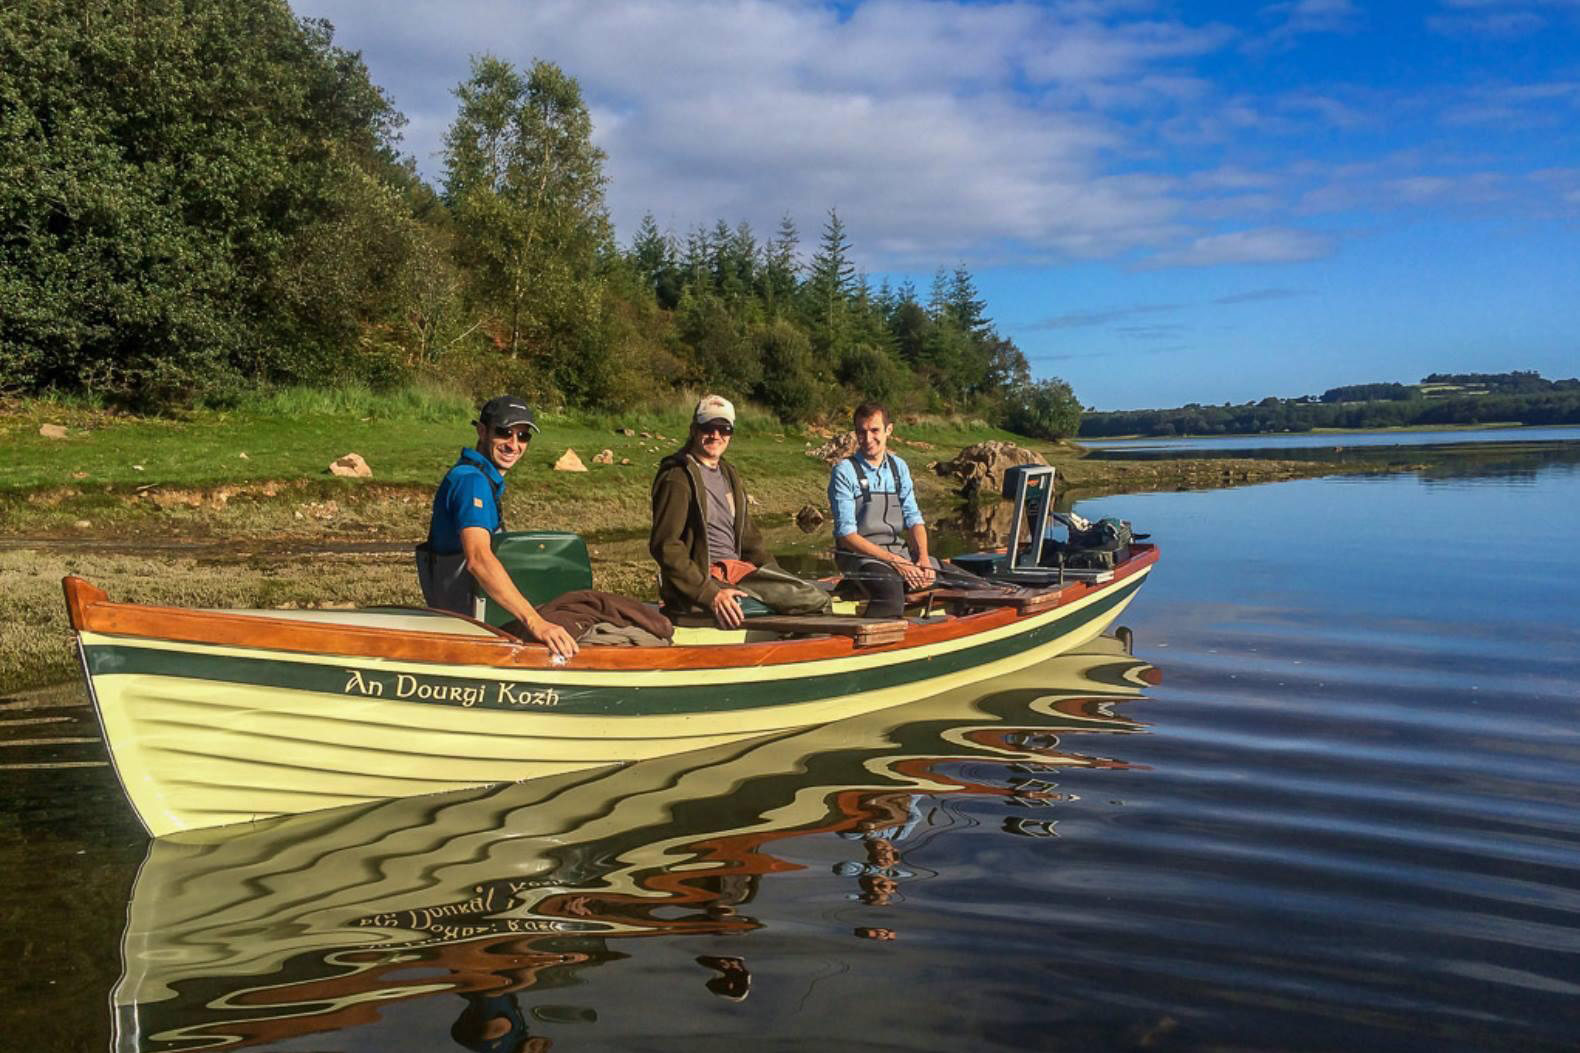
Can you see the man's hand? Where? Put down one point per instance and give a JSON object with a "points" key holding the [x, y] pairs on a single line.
{"points": [[727, 608], [916, 577], [558, 641]]}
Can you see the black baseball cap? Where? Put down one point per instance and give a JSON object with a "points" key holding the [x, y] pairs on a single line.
{"points": [[506, 411]]}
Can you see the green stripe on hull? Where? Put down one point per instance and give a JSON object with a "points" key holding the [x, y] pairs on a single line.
{"points": [[489, 692]]}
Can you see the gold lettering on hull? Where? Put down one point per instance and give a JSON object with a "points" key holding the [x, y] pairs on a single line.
{"points": [[357, 684], [423, 689]]}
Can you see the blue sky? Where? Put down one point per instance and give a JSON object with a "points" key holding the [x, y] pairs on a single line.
{"points": [[1162, 202]]}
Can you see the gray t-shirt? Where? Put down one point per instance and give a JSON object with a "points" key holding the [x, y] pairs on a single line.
{"points": [[721, 517]]}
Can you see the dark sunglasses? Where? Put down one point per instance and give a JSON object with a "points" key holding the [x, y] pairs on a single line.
{"points": [[522, 435], [725, 430]]}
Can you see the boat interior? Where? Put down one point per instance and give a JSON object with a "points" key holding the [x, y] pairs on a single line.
{"points": [[1030, 574]]}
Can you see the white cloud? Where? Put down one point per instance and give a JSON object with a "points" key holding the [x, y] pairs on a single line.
{"points": [[1261, 245], [1297, 18], [1330, 111], [1485, 4], [1233, 178], [1078, 51], [1533, 104], [1505, 19], [1096, 318], [1561, 185], [1259, 296], [940, 129], [1505, 24]]}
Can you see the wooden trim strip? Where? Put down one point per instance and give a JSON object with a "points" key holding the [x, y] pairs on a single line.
{"points": [[80, 595]]}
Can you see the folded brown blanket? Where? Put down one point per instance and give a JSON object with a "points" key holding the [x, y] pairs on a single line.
{"points": [[577, 612]]}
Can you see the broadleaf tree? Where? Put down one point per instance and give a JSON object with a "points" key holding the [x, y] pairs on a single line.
{"points": [[526, 187]]}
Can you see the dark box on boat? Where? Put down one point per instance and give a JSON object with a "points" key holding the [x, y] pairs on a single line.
{"points": [[543, 564], [982, 564]]}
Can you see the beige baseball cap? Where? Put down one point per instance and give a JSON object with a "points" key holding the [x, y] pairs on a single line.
{"points": [[714, 407]]}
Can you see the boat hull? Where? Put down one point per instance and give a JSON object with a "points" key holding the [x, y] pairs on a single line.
{"points": [[210, 734]]}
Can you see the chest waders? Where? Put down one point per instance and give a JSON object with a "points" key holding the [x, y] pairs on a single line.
{"points": [[880, 517], [446, 582]]}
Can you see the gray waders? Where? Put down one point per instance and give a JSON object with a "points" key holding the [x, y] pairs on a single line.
{"points": [[447, 585], [880, 519]]}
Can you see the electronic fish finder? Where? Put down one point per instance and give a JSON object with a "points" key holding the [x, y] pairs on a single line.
{"points": [[1029, 558]]}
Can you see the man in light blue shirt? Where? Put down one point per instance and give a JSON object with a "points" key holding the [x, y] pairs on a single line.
{"points": [[880, 538]]}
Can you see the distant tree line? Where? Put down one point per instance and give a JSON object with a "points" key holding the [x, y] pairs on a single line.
{"points": [[1371, 392], [198, 197], [1545, 402], [1518, 382]]}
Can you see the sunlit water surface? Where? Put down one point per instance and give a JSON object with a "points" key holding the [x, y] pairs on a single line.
{"points": [[1346, 818], [1349, 439]]}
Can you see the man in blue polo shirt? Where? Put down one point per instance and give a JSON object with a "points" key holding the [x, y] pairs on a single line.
{"points": [[468, 511]]}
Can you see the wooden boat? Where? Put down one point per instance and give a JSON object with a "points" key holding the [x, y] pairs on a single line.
{"points": [[314, 923], [215, 717]]}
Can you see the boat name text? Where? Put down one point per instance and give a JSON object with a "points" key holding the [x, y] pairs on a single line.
{"points": [[405, 685]]}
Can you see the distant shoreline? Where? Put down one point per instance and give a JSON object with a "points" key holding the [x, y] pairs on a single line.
{"points": [[1400, 429]]}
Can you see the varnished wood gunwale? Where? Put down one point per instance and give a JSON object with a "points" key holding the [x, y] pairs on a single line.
{"points": [[91, 611]]}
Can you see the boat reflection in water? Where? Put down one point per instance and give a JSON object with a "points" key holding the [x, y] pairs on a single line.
{"points": [[316, 923]]}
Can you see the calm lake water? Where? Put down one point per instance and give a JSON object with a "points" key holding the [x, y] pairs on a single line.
{"points": [[1240, 444], [1332, 802]]}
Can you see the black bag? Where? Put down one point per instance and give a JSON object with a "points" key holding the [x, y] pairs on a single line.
{"points": [[1100, 547]]}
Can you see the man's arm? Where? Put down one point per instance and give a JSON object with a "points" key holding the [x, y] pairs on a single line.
{"points": [[477, 546], [912, 515], [919, 553], [842, 503], [917, 575]]}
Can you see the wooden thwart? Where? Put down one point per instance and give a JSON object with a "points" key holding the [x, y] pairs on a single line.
{"points": [[1022, 602], [866, 632]]}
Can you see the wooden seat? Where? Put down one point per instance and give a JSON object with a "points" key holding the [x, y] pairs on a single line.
{"points": [[1024, 602]]}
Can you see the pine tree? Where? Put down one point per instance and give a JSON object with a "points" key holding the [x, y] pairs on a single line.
{"points": [[964, 304], [781, 271], [938, 296], [832, 274], [827, 293]]}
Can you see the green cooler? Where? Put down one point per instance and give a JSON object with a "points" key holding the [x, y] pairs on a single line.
{"points": [[543, 564]]}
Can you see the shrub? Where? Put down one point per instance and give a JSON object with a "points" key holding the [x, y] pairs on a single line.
{"points": [[1047, 409]]}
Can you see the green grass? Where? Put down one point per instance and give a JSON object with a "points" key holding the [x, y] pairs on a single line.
{"points": [[125, 476], [418, 402], [407, 437]]}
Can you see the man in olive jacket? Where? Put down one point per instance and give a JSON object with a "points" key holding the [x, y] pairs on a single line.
{"points": [[709, 552]]}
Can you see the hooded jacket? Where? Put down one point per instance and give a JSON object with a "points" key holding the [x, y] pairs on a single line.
{"points": [[679, 541]]}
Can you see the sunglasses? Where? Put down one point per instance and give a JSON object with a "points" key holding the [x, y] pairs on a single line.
{"points": [[521, 435], [725, 430]]}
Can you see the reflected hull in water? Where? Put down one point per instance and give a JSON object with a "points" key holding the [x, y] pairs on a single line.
{"points": [[311, 923]]}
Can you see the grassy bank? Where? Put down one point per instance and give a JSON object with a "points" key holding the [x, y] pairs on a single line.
{"points": [[263, 472]]}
